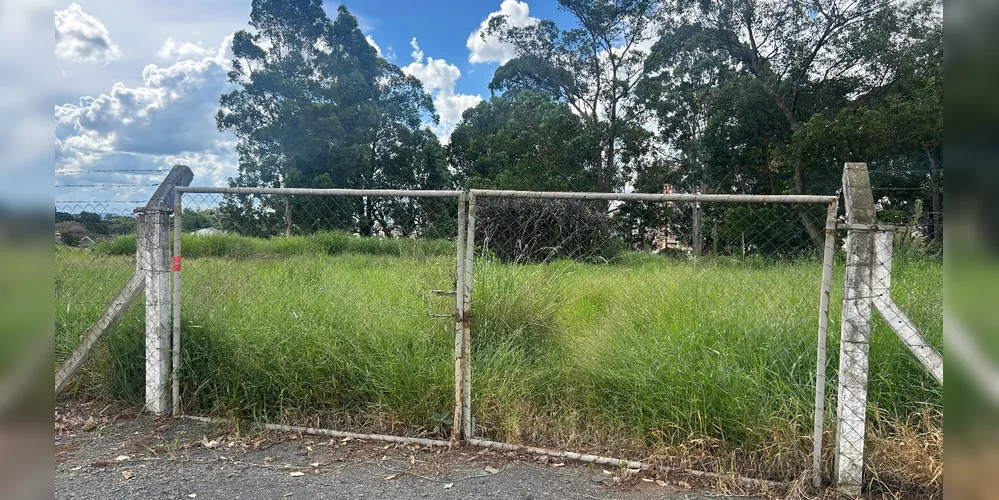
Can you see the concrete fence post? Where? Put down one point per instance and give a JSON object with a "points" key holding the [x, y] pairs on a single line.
{"points": [[855, 331], [155, 267], [153, 254]]}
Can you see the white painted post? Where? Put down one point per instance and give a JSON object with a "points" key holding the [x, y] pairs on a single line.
{"points": [[855, 331], [459, 323], [468, 424], [829, 251]]}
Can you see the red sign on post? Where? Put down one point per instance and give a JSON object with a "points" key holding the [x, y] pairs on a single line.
{"points": [[176, 263]]}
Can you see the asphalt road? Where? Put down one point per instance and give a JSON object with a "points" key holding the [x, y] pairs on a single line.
{"points": [[129, 456]]}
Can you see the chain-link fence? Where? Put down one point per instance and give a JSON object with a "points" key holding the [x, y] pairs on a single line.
{"points": [[333, 310], [891, 438], [95, 257], [681, 330], [678, 329]]}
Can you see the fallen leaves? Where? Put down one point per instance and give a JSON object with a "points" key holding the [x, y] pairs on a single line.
{"points": [[127, 474], [448, 486], [297, 473], [121, 458]]}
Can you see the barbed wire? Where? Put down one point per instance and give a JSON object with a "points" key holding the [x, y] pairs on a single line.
{"points": [[105, 185], [122, 171]]}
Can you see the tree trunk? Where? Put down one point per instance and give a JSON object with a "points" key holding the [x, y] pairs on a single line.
{"points": [[287, 216], [598, 164], [818, 241], [935, 205], [609, 169]]}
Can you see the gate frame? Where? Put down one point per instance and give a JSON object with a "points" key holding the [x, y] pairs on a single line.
{"points": [[829, 250], [343, 193]]}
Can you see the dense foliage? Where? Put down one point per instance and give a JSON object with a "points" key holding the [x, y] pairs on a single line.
{"points": [[317, 107], [742, 96], [533, 230]]}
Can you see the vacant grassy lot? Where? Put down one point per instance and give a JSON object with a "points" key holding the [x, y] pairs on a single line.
{"points": [[708, 364]]}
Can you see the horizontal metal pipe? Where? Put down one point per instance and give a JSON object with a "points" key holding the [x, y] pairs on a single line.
{"points": [[617, 462], [319, 192], [331, 433], [716, 198], [496, 445], [870, 227], [594, 459]]}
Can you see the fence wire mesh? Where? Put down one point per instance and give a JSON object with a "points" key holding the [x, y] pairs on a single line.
{"points": [[678, 331], [319, 311], [607, 325], [683, 333], [95, 256], [902, 295]]}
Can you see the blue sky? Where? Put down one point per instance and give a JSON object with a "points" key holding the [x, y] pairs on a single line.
{"points": [[137, 83]]}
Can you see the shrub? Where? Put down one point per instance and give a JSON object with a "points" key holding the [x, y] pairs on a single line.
{"points": [[532, 230], [119, 245]]}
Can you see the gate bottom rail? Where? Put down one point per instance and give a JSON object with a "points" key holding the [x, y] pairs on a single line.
{"points": [[501, 446]]}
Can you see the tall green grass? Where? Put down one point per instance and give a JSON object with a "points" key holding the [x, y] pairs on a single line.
{"points": [[241, 247], [642, 355]]}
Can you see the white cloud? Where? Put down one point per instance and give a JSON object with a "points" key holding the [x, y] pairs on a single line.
{"points": [[438, 78], [174, 49], [484, 49], [371, 41], [81, 37], [169, 118]]}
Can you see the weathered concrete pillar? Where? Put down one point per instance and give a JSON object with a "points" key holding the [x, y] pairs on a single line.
{"points": [[153, 245], [855, 331]]}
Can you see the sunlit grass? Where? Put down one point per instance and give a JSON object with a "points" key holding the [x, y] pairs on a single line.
{"points": [[640, 356]]}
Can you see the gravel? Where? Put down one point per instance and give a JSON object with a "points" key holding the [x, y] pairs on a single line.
{"points": [[138, 456]]}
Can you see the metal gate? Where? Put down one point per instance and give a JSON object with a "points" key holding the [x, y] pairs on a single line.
{"points": [[322, 267], [724, 285]]}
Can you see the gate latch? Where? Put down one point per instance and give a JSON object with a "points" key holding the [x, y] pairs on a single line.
{"points": [[430, 305]]}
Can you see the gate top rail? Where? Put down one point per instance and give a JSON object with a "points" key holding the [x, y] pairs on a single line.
{"points": [[319, 192], [718, 198]]}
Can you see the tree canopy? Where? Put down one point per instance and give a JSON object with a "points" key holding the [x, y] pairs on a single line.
{"points": [[737, 96], [317, 107]]}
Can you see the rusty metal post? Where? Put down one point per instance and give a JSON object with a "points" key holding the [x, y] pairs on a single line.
{"points": [[820, 365], [175, 367], [468, 428], [459, 323]]}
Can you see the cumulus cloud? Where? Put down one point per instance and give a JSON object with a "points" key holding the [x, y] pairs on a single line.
{"points": [[169, 118], [174, 49], [483, 48], [371, 41], [81, 37], [439, 78]]}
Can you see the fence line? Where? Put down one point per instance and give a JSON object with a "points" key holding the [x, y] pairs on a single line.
{"points": [[864, 273]]}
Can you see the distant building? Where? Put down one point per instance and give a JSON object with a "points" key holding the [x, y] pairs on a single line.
{"points": [[208, 230]]}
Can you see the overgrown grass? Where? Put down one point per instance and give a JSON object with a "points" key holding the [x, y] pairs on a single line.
{"points": [[707, 364], [241, 247]]}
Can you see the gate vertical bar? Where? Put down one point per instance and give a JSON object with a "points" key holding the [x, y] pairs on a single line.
{"points": [[175, 367], [459, 323], [820, 366], [855, 331], [468, 430]]}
